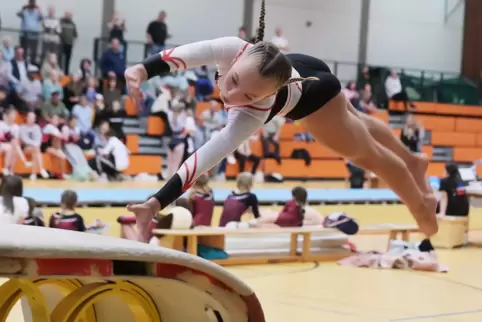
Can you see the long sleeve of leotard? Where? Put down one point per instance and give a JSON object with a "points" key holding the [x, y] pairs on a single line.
{"points": [[242, 123], [208, 52]]}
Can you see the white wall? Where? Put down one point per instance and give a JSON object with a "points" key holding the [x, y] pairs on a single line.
{"points": [[187, 20], [334, 33], [87, 14], [413, 33], [402, 33]]}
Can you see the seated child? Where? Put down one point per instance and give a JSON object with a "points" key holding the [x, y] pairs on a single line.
{"points": [[67, 218], [128, 223], [239, 201], [202, 199], [35, 215]]}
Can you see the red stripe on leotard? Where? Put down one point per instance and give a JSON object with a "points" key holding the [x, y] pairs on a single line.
{"points": [[166, 56]]}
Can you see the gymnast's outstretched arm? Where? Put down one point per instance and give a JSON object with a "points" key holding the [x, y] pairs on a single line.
{"points": [[242, 123]]}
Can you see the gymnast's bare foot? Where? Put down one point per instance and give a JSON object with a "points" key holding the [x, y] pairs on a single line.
{"points": [[426, 218], [144, 213], [418, 167]]}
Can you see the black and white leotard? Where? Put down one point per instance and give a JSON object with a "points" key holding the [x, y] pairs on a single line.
{"points": [[295, 101]]}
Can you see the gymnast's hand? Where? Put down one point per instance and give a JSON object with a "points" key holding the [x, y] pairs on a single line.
{"points": [[135, 75], [144, 213]]}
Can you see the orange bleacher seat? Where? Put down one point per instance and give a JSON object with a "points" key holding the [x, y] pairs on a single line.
{"points": [[132, 142], [155, 126], [144, 163], [467, 154], [64, 80], [436, 169], [316, 150], [479, 139], [421, 107], [463, 124], [428, 151], [437, 123], [201, 107], [216, 93], [20, 119], [381, 115], [454, 109], [397, 132], [454, 139], [317, 169], [130, 107], [289, 130]]}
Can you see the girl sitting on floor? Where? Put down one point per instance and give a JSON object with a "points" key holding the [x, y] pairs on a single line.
{"points": [[35, 215], [239, 201], [202, 199]]}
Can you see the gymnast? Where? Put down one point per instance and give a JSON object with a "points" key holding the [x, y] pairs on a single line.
{"points": [[202, 200], [239, 201], [257, 82]]}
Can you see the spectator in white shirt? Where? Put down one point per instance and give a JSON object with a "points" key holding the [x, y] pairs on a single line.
{"points": [[270, 136], [111, 160], [212, 119], [31, 139], [30, 89], [395, 91], [279, 41], [13, 207], [10, 144]]}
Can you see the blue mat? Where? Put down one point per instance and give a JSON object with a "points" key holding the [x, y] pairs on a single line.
{"points": [[124, 196]]}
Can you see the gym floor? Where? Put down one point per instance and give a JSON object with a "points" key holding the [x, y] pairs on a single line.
{"points": [[328, 292]]}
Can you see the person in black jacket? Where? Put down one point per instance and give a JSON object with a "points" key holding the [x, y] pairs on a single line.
{"points": [[454, 201], [412, 134]]}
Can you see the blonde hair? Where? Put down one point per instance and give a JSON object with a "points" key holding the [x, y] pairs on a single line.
{"points": [[244, 181], [273, 63]]}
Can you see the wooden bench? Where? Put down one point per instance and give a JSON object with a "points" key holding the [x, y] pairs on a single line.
{"points": [[216, 237]]}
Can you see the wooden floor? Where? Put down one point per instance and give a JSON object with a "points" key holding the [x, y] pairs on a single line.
{"points": [[327, 292]]}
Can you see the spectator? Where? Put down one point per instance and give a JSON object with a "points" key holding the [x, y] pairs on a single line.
{"points": [[13, 207], [30, 90], [102, 135], [117, 27], [73, 91], [204, 86], [54, 107], [68, 35], [18, 67], [279, 41], [52, 85], [365, 78], [51, 34], [86, 69], [9, 144], [116, 120], [157, 34], [112, 159], [67, 218], [7, 49], [243, 154], [270, 137], [31, 139], [35, 214], [113, 61], [91, 89], [31, 28], [454, 200], [352, 94], [212, 119], [412, 134], [112, 92], [6, 99], [50, 64], [366, 102], [52, 139], [4, 71], [100, 110], [395, 91], [84, 114]]}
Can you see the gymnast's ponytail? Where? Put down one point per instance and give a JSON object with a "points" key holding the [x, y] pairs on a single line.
{"points": [[261, 27]]}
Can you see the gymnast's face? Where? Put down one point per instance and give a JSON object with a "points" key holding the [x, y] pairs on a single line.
{"points": [[243, 85]]}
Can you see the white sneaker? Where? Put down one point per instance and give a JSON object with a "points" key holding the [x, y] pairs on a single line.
{"points": [[28, 164], [33, 177], [6, 172], [65, 177], [44, 174], [259, 177]]}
